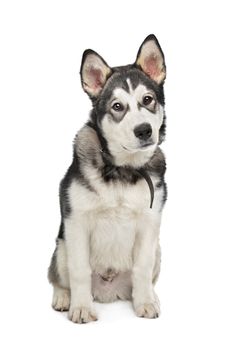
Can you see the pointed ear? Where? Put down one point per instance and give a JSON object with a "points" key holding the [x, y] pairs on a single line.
{"points": [[94, 73], [150, 59]]}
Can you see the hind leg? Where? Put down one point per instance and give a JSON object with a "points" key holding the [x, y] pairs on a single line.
{"points": [[58, 277], [61, 299]]}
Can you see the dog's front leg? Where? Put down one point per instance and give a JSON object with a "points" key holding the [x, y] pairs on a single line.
{"points": [[145, 301], [77, 240]]}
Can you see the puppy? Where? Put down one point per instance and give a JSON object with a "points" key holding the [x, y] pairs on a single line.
{"points": [[113, 193]]}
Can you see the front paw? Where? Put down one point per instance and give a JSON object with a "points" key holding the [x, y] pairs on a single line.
{"points": [[147, 310], [82, 314], [147, 307]]}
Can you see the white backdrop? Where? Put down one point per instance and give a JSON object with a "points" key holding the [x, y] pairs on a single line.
{"points": [[42, 106]]}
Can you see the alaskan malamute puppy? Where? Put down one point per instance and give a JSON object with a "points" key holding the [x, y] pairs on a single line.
{"points": [[113, 193]]}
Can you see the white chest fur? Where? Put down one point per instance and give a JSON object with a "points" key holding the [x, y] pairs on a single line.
{"points": [[112, 212]]}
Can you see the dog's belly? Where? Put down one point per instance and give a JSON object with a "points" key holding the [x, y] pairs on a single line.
{"points": [[112, 240]]}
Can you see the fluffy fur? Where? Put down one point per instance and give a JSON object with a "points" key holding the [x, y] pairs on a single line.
{"points": [[108, 242]]}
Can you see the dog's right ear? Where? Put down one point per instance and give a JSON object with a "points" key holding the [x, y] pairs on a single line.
{"points": [[94, 73]]}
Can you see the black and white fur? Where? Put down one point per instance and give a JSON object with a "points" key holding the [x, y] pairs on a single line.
{"points": [[108, 243]]}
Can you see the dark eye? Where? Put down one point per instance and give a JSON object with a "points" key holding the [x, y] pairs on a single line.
{"points": [[118, 107], [147, 100]]}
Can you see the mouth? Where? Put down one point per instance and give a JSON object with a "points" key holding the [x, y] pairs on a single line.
{"points": [[147, 145], [140, 148]]}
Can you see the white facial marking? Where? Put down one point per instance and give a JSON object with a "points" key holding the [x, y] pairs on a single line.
{"points": [[130, 86], [122, 142]]}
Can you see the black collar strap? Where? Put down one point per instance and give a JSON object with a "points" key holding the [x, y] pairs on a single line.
{"points": [[149, 183]]}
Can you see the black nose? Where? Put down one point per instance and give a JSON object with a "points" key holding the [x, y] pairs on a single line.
{"points": [[143, 131]]}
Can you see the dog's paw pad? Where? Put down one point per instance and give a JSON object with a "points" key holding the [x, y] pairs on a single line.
{"points": [[61, 300], [82, 315], [150, 310]]}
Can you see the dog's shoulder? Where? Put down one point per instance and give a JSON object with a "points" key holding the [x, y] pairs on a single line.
{"points": [[157, 163], [85, 154], [86, 143]]}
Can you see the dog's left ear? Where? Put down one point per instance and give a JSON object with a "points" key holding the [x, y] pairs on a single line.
{"points": [[94, 73], [150, 59]]}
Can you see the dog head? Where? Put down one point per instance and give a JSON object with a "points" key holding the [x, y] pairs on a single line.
{"points": [[128, 102]]}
